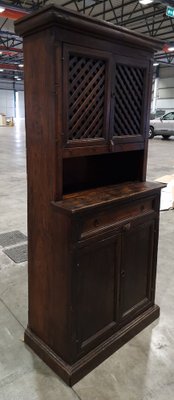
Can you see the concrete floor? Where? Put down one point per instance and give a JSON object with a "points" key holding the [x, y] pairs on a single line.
{"points": [[141, 370]]}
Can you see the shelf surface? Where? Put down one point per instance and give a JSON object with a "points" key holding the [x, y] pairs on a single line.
{"points": [[106, 195]]}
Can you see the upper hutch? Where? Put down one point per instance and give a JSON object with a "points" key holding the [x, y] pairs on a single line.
{"points": [[92, 217]]}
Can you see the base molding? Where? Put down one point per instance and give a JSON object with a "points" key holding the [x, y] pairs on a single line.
{"points": [[73, 373]]}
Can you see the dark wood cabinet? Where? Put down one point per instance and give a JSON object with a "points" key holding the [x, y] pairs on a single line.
{"points": [[92, 217]]}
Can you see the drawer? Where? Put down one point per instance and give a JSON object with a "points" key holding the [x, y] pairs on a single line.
{"points": [[107, 219]]}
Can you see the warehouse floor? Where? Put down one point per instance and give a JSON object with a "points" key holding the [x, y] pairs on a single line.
{"points": [[141, 370]]}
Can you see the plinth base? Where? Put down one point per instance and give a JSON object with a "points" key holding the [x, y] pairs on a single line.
{"points": [[73, 373]]}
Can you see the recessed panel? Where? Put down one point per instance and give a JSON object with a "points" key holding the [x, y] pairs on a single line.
{"points": [[96, 289]]}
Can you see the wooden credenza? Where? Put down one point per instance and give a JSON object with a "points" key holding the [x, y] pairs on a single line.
{"points": [[92, 217]]}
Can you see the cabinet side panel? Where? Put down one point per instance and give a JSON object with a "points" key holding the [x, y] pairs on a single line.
{"points": [[47, 284]]}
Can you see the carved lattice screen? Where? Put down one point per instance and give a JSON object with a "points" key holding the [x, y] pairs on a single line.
{"points": [[128, 100], [86, 97]]}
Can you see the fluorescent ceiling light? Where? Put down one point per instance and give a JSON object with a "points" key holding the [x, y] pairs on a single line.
{"points": [[144, 2], [18, 79], [2, 9], [155, 64], [21, 65], [171, 48], [1, 70]]}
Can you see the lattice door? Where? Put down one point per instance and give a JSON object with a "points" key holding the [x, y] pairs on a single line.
{"points": [[86, 98], [129, 82]]}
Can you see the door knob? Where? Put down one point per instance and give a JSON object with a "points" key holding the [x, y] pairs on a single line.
{"points": [[127, 227], [111, 146], [96, 223], [123, 273]]}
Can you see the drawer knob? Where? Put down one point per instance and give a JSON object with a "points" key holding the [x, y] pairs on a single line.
{"points": [[123, 274], [111, 145], [127, 227], [96, 223]]}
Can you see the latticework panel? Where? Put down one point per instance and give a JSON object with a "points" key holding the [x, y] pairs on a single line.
{"points": [[86, 97], [129, 82]]}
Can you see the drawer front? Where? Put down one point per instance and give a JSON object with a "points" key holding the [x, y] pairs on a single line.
{"points": [[105, 220]]}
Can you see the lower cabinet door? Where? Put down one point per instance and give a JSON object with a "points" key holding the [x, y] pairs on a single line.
{"points": [[95, 292], [137, 269]]}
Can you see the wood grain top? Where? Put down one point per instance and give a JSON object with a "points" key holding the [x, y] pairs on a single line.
{"points": [[105, 196]]}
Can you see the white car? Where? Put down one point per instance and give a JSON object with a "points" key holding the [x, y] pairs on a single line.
{"points": [[162, 126]]}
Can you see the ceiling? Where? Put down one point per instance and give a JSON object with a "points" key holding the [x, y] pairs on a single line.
{"points": [[148, 19]]}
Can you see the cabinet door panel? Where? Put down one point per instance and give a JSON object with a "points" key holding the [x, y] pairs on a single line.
{"points": [[136, 269], [129, 100], [96, 291], [86, 93]]}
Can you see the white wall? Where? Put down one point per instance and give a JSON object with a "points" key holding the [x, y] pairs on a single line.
{"points": [[7, 104], [165, 91], [8, 91], [20, 109], [166, 72]]}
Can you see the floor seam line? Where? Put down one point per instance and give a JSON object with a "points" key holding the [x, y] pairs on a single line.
{"points": [[5, 305], [76, 394], [1, 294]]}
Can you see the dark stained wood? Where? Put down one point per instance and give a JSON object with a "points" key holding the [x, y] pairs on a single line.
{"points": [[73, 373], [96, 269], [86, 172], [54, 15], [136, 268], [107, 196], [78, 149], [86, 95], [93, 221]]}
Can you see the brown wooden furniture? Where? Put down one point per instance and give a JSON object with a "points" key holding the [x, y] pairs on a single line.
{"points": [[92, 217]]}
